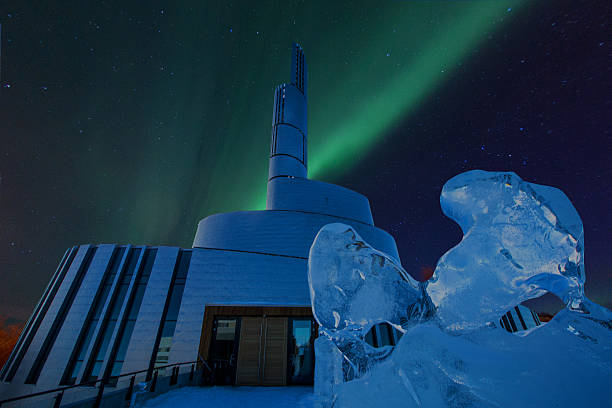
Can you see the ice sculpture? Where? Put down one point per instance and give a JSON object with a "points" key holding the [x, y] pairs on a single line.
{"points": [[352, 285], [520, 240], [352, 288]]}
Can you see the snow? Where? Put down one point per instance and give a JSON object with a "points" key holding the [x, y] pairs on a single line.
{"points": [[234, 397]]}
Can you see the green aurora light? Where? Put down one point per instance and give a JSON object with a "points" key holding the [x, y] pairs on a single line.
{"points": [[339, 139], [179, 129]]}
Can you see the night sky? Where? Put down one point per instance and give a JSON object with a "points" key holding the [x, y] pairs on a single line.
{"points": [[129, 121]]}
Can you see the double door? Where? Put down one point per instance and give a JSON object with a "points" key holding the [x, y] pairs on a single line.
{"points": [[262, 354], [255, 345]]}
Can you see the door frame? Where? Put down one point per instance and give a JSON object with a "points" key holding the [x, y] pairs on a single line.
{"points": [[216, 319], [211, 311], [314, 333]]}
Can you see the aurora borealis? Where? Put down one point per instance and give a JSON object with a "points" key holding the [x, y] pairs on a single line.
{"points": [[128, 122]]}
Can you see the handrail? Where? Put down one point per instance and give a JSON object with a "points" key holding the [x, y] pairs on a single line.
{"points": [[204, 363], [94, 382]]}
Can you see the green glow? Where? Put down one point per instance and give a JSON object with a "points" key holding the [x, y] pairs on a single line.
{"points": [[339, 139], [184, 146], [403, 92]]}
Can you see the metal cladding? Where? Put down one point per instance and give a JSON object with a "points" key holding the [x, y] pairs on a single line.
{"points": [[288, 148]]}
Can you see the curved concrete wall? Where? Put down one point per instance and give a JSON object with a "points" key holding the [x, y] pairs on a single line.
{"points": [[298, 194], [288, 233]]}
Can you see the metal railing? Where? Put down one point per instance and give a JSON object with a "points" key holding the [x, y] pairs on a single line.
{"points": [[104, 381]]}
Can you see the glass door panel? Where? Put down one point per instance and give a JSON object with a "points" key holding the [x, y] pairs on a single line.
{"points": [[224, 348], [300, 365]]}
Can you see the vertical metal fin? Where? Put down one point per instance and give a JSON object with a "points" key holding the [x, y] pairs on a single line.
{"points": [[298, 68]]}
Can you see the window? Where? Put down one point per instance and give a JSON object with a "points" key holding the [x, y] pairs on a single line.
{"points": [[382, 334], [171, 310], [300, 362]]}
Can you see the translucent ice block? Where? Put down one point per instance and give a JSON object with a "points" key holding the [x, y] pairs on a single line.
{"points": [[354, 287], [520, 240]]}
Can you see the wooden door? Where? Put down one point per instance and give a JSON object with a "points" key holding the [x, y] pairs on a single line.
{"points": [[262, 354], [275, 352], [249, 366]]}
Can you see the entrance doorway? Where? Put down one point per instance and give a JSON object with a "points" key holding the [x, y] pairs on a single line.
{"points": [[262, 355], [252, 345], [300, 365], [224, 350]]}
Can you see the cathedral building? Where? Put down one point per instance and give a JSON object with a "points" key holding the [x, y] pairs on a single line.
{"points": [[237, 302]]}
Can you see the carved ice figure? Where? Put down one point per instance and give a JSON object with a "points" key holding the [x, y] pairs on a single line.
{"points": [[519, 241], [352, 288], [352, 285]]}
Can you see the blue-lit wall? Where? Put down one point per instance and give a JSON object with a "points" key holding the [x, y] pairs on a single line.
{"points": [[104, 312]]}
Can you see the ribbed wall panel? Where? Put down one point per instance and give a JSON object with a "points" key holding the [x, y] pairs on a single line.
{"points": [[91, 349], [37, 317], [140, 349], [114, 340], [18, 382], [75, 319]]}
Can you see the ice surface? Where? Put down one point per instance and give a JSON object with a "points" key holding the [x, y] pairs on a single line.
{"points": [[520, 240], [564, 363], [352, 288], [352, 285]]}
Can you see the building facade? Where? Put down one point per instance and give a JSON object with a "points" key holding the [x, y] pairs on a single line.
{"points": [[519, 318], [238, 301]]}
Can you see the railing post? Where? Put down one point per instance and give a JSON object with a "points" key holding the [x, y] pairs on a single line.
{"points": [[191, 373], [173, 376], [130, 391], [153, 382], [58, 400], [98, 400]]}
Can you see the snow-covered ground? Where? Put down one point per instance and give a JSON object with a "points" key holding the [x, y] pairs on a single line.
{"points": [[234, 397]]}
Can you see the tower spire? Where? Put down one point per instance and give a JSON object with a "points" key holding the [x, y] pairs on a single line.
{"points": [[288, 147], [298, 68]]}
